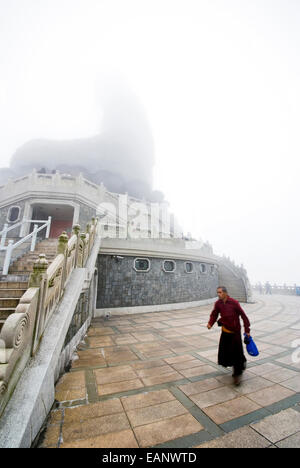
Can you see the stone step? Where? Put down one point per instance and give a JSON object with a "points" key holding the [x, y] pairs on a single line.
{"points": [[19, 269], [36, 254], [9, 302], [8, 292], [32, 259], [6, 312], [13, 285]]}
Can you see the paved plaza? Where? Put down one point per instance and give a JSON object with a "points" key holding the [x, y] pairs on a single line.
{"points": [[152, 380]]}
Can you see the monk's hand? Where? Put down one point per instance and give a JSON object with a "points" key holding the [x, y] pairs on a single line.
{"points": [[208, 326]]}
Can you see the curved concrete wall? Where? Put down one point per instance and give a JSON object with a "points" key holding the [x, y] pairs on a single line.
{"points": [[120, 285]]}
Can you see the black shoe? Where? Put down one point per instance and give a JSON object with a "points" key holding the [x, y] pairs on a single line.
{"points": [[237, 380]]}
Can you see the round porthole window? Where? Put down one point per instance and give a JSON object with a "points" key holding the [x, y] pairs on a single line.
{"points": [[203, 268]]}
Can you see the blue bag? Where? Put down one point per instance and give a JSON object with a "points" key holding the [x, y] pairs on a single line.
{"points": [[250, 346]]}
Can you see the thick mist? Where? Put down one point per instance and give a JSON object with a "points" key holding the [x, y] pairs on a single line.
{"points": [[121, 155]]}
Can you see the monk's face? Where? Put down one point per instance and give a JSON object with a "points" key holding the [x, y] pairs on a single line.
{"points": [[221, 294]]}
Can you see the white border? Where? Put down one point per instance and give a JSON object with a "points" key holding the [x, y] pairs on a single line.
{"points": [[193, 269], [141, 258], [9, 210], [168, 271]]}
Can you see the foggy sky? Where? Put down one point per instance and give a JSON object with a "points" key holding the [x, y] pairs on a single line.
{"points": [[121, 155], [219, 84]]}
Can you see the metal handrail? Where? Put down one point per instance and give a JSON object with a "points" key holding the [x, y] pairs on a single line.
{"points": [[7, 228], [11, 245]]}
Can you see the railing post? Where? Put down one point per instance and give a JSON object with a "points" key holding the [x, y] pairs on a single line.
{"points": [[63, 249], [33, 242], [37, 280], [48, 227], [76, 231], [9, 250], [83, 238], [3, 237], [88, 235]]}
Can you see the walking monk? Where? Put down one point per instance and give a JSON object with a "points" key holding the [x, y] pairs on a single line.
{"points": [[230, 347]]}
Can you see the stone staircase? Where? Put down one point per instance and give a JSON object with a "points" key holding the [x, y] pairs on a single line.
{"points": [[24, 265], [14, 285], [17, 252], [10, 294], [235, 285]]}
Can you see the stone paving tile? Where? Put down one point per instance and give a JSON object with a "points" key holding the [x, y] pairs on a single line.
{"points": [[159, 379], [125, 339], [114, 374], [147, 364], [187, 364], [279, 426], [51, 438], [93, 331], [263, 369], [177, 359], [71, 386], [159, 325], [169, 334], [119, 387], [182, 349], [150, 414], [289, 360], [213, 397], [94, 426], [94, 410], [55, 416], [166, 430], [293, 383], [121, 439], [253, 385], [274, 350], [211, 353], [198, 387], [100, 341], [231, 409], [270, 395], [228, 380], [202, 369], [118, 355], [144, 337], [154, 371], [290, 442], [143, 400], [281, 375], [240, 438], [88, 358]]}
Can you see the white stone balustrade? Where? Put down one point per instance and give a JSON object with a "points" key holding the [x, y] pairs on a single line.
{"points": [[23, 330]]}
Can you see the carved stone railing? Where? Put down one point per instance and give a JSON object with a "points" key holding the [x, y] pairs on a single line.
{"points": [[23, 330], [240, 273], [15, 343], [43, 183]]}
